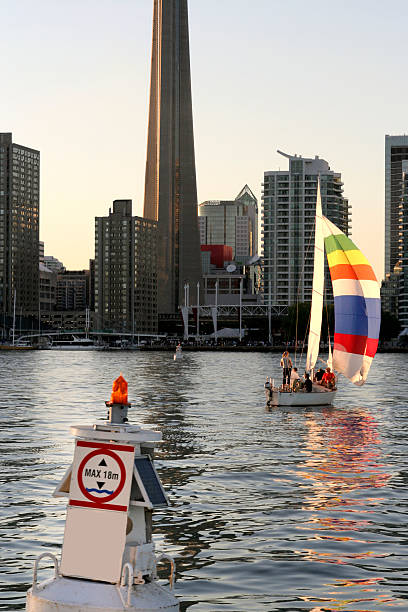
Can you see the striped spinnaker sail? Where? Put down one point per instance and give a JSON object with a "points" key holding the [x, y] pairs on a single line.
{"points": [[357, 305]]}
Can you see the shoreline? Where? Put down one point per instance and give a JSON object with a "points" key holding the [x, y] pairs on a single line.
{"points": [[250, 349]]}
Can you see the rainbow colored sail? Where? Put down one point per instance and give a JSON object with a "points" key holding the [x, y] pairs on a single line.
{"points": [[357, 305]]}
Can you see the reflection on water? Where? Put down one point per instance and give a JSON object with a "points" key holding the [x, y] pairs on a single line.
{"points": [[342, 466], [281, 509]]}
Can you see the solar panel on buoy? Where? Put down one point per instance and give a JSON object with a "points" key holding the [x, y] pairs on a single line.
{"points": [[149, 483]]}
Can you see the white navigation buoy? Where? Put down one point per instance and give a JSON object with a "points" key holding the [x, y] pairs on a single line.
{"points": [[108, 559]]}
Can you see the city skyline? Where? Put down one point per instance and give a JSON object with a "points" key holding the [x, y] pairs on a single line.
{"points": [[286, 80]]}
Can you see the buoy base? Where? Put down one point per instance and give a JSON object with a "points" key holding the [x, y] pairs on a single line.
{"points": [[75, 595]]}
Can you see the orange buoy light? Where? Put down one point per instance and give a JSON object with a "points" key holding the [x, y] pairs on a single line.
{"points": [[119, 391]]}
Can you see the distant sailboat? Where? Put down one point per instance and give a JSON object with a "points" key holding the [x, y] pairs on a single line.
{"points": [[20, 345], [178, 354], [357, 313]]}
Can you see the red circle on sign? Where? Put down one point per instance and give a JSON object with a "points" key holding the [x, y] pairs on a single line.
{"points": [[122, 475]]}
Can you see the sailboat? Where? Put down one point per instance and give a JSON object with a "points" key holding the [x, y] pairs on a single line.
{"points": [[357, 314], [20, 345], [178, 354]]}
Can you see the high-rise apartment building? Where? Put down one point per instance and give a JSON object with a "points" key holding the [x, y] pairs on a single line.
{"points": [[170, 186], [19, 226], [288, 215], [232, 223], [401, 269], [125, 271], [396, 153]]}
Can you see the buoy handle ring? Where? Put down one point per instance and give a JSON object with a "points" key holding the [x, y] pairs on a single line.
{"points": [[37, 561]]}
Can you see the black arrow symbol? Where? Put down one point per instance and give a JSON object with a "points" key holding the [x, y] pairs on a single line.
{"points": [[103, 462], [100, 484]]}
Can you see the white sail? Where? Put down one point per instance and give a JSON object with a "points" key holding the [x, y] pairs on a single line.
{"points": [[330, 357], [318, 288]]}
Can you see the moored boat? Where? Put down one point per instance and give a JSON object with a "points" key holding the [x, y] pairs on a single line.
{"points": [[73, 344], [17, 347]]}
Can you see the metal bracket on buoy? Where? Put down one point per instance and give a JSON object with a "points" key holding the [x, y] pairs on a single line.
{"points": [[172, 577], [127, 570]]}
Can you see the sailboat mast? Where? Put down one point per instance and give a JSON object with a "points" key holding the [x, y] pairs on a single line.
{"points": [[318, 287], [14, 316]]}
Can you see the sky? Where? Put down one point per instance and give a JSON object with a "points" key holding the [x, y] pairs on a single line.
{"points": [[312, 78]]}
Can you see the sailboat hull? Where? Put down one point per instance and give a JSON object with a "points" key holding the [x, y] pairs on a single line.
{"points": [[320, 397]]}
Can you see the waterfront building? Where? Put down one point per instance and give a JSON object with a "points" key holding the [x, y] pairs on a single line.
{"points": [[48, 286], [67, 320], [233, 223], [223, 276], [125, 271], [222, 287], [170, 182], [288, 215], [91, 296], [19, 226]]}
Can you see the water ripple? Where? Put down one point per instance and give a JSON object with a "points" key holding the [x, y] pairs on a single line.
{"points": [[272, 510]]}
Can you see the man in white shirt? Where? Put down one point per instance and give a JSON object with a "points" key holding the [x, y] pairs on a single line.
{"points": [[294, 376]]}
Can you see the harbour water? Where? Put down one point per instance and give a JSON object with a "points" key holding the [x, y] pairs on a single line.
{"points": [[280, 509]]}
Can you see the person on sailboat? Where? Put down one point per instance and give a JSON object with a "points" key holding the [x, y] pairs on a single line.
{"points": [[308, 386], [319, 375], [328, 380], [294, 377], [286, 365]]}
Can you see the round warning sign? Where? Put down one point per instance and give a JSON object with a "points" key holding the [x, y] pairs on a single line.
{"points": [[101, 475]]}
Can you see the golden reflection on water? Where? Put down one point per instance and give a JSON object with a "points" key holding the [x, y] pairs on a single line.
{"points": [[342, 457]]}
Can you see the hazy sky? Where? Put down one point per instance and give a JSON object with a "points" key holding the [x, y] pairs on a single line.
{"points": [[313, 78]]}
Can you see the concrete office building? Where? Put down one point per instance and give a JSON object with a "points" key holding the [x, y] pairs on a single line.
{"points": [[19, 226], [288, 215], [233, 223], [170, 184], [125, 271]]}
